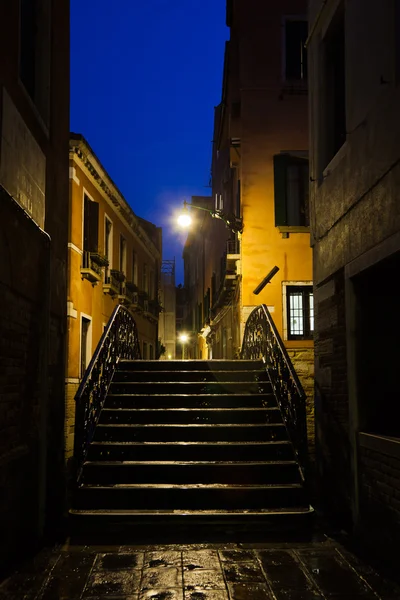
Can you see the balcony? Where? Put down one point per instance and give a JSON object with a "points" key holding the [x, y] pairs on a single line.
{"points": [[128, 293], [112, 282], [92, 266], [228, 282]]}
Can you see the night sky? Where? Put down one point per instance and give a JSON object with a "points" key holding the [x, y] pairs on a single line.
{"points": [[145, 77]]}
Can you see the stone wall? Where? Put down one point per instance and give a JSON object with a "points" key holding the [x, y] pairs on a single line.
{"points": [[303, 362], [331, 398]]}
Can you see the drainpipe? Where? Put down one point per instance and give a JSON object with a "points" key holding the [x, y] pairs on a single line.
{"points": [[44, 388]]}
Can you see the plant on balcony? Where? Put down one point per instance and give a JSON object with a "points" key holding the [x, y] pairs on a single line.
{"points": [[117, 275], [132, 287], [99, 259]]}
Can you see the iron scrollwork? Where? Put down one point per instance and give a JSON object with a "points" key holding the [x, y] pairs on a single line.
{"points": [[119, 340], [262, 341]]}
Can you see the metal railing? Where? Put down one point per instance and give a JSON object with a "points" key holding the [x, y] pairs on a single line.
{"points": [[88, 262], [119, 340], [261, 340]]}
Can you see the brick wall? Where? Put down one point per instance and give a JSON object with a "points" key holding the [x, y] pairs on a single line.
{"points": [[24, 293], [379, 496], [331, 399], [303, 362]]}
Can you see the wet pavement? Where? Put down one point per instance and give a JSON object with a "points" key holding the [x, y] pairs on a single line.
{"points": [[262, 571]]}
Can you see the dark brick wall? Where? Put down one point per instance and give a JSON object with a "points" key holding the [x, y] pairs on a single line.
{"points": [[331, 399], [379, 497], [24, 292]]}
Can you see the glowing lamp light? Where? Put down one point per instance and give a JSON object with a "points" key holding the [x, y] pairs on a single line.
{"points": [[183, 338], [184, 220]]}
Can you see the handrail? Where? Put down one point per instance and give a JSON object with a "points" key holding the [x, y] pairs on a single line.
{"points": [[261, 340], [119, 340]]}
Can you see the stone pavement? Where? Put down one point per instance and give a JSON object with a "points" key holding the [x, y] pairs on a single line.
{"points": [[262, 571]]}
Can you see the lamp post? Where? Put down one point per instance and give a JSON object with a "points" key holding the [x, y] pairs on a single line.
{"points": [[183, 338], [233, 222]]}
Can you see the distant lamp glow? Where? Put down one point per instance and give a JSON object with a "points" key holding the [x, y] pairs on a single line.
{"points": [[183, 338]]}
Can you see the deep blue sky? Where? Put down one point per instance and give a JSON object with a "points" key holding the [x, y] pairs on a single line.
{"points": [[145, 77]]}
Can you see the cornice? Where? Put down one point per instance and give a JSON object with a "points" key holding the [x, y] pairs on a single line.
{"points": [[80, 151]]}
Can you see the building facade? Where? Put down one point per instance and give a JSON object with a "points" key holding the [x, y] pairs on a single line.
{"points": [[260, 180], [354, 66], [114, 257], [34, 131]]}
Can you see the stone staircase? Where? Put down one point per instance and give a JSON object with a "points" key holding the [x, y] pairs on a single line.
{"points": [[198, 441]]}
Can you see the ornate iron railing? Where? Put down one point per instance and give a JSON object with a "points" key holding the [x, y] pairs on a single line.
{"points": [[119, 340], [262, 341]]}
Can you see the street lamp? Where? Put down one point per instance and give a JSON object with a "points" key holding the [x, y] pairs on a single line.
{"points": [[183, 338], [233, 222]]}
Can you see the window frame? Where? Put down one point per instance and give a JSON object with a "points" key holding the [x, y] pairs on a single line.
{"points": [[281, 164], [302, 80], [306, 288]]}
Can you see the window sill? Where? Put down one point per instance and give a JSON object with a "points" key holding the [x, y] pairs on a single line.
{"points": [[335, 160], [293, 229], [383, 444]]}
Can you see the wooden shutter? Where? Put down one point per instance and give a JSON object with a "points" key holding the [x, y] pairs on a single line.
{"points": [[91, 226], [280, 165]]}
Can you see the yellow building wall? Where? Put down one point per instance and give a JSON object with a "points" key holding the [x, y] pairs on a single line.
{"points": [[87, 299]]}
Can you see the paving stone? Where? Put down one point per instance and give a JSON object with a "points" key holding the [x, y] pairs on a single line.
{"points": [[115, 561], [69, 576], [163, 558], [113, 583], [299, 595], [207, 595], [164, 594], [203, 579], [334, 577], [250, 591], [288, 577], [275, 557], [201, 559], [237, 555], [240, 572], [161, 577]]}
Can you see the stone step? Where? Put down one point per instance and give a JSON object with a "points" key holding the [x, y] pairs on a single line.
{"points": [[190, 387], [191, 451], [197, 365], [112, 472], [184, 376], [185, 400], [190, 415], [190, 433], [162, 496]]}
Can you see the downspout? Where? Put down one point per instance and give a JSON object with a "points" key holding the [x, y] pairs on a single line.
{"points": [[44, 388]]}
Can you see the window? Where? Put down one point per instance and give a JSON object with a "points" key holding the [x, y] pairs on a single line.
{"points": [[145, 278], [397, 39], [134, 268], [85, 344], [35, 50], [295, 61], [291, 183], [333, 130], [151, 352], [122, 254], [90, 225], [144, 350], [300, 312]]}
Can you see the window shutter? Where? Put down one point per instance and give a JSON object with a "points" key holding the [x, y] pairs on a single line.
{"points": [[280, 165], [91, 226]]}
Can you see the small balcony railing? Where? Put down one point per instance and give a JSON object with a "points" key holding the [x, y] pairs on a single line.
{"points": [[92, 267], [112, 281]]}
